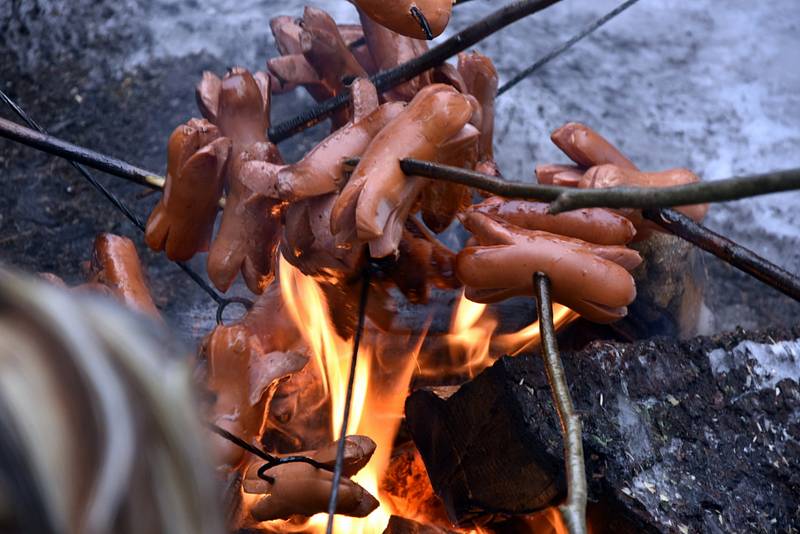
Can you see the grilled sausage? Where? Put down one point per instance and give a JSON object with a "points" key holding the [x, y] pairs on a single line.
{"points": [[399, 16], [250, 228], [321, 170], [324, 48], [183, 219], [561, 175], [115, 264], [441, 200], [390, 49], [379, 196], [587, 148], [614, 176], [594, 225], [591, 279], [302, 489], [480, 77]]}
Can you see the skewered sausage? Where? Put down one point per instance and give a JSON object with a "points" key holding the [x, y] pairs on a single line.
{"points": [[183, 219], [595, 225], [613, 176], [441, 200], [250, 227], [378, 196], [401, 17], [591, 279], [587, 148], [480, 77], [390, 49], [321, 170]]}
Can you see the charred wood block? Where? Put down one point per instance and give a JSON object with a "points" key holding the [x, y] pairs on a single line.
{"points": [[700, 435]]}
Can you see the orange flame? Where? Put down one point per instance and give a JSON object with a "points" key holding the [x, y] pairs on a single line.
{"points": [[379, 393], [381, 384], [474, 345]]}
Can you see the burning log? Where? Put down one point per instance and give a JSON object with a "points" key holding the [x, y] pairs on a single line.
{"points": [[670, 429]]}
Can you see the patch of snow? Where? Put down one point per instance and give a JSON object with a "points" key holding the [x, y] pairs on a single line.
{"points": [[772, 363]]}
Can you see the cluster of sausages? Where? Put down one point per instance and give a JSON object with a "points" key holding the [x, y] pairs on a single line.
{"points": [[329, 217]]}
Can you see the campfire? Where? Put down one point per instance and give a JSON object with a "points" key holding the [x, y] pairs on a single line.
{"points": [[396, 364]]}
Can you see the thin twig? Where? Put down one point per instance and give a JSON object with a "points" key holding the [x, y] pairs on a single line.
{"points": [[432, 58], [679, 195], [740, 257], [337, 471], [563, 47], [78, 154], [570, 198], [574, 510], [478, 180]]}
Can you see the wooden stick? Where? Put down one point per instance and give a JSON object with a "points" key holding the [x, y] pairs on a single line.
{"points": [[574, 510]]}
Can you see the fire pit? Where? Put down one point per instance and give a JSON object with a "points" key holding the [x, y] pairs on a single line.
{"points": [[327, 353]]}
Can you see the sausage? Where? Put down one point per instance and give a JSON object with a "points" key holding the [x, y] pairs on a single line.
{"points": [[421, 261], [249, 231], [243, 375], [378, 194], [321, 170], [480, 78], [614, 176], [388, 50], [286, 33], [308, 243], [245, 363], [250, 227], [326, 51], [441, 200], [183, 219], [594, 225], [587, 148], [292, 70], [243, 111], [398, 16], [115, 264], [591, 279], [302, 489], [561, 175], [351, 33], [358, 451], [363, 97]]}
